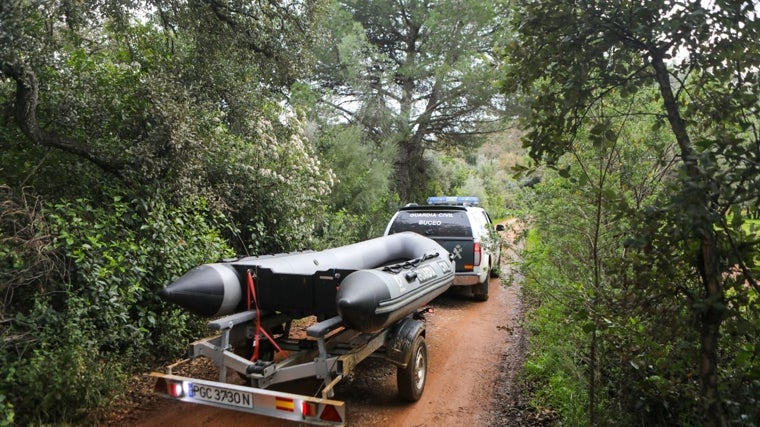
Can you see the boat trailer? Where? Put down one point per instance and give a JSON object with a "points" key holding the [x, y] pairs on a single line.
{"points": [[329, 352]]}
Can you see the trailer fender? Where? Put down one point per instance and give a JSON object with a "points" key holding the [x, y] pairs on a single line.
{"points": [[400, 342]]}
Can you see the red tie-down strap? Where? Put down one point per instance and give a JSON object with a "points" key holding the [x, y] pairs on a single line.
{"points": [[259, 330]]}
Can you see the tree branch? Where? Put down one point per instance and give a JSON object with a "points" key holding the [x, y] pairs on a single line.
{"points": [[27, 98]]}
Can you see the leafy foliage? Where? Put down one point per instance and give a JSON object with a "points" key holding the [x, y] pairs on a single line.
{"points": [[605, 300], [626, 102], [361, 194], [139, 102], [275, 189], [85, 330]]}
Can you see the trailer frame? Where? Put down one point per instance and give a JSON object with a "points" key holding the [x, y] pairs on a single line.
{"points": [[330, 352]]}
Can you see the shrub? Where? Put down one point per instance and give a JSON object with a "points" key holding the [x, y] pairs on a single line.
{"points": [[69, 349]]}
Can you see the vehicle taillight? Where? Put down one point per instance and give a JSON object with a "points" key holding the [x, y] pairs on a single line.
{"points": [[476, 253]]}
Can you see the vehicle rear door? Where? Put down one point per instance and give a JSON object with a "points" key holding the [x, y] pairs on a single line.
{"points": [[449, 227]]}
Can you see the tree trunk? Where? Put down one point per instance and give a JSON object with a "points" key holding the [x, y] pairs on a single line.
{"points": [[27, 98], [710, 333], [409, 160], [712, 315], [408, 167]]}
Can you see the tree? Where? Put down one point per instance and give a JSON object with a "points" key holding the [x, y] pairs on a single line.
{"points": [[626, 366], [416, 73], [703, 60], [137, 140], [165, 97]]}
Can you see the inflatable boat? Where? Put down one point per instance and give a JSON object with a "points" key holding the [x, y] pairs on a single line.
{"points": [[370, 284]]}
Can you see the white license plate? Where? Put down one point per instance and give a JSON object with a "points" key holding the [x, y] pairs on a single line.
{"points": [[221, 395]]}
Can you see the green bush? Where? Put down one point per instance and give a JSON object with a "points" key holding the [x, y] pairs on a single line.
{"points": [[635, 332], [70, 351], [63, 374], [554, 361], [7, 414]]}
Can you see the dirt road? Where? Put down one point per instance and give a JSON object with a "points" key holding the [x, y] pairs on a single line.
{"points": [[473, 349]]}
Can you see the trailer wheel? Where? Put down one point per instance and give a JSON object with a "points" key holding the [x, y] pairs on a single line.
{"points": [[411, 380]]}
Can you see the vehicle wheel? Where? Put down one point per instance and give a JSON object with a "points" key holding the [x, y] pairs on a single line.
{"points": [[411, 380], [480, 291], [496, 269]]}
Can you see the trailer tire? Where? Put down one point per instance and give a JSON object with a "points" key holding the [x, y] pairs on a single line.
{"points": [[411, 379]]}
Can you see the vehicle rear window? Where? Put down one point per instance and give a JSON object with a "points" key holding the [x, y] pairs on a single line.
{"points": [[435, 223]]}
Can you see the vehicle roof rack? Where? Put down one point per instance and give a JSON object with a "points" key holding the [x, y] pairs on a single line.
{"points": [[454, 200]]}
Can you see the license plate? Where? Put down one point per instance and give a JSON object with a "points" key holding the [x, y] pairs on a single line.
{"points": [[221, 395]]}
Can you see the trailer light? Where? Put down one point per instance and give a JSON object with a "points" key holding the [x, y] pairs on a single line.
{"points": [[330, 414], [175, 389], [170, 388], [308, 409]]}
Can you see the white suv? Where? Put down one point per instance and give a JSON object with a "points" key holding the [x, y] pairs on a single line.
{"points": [[463, 229]]}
